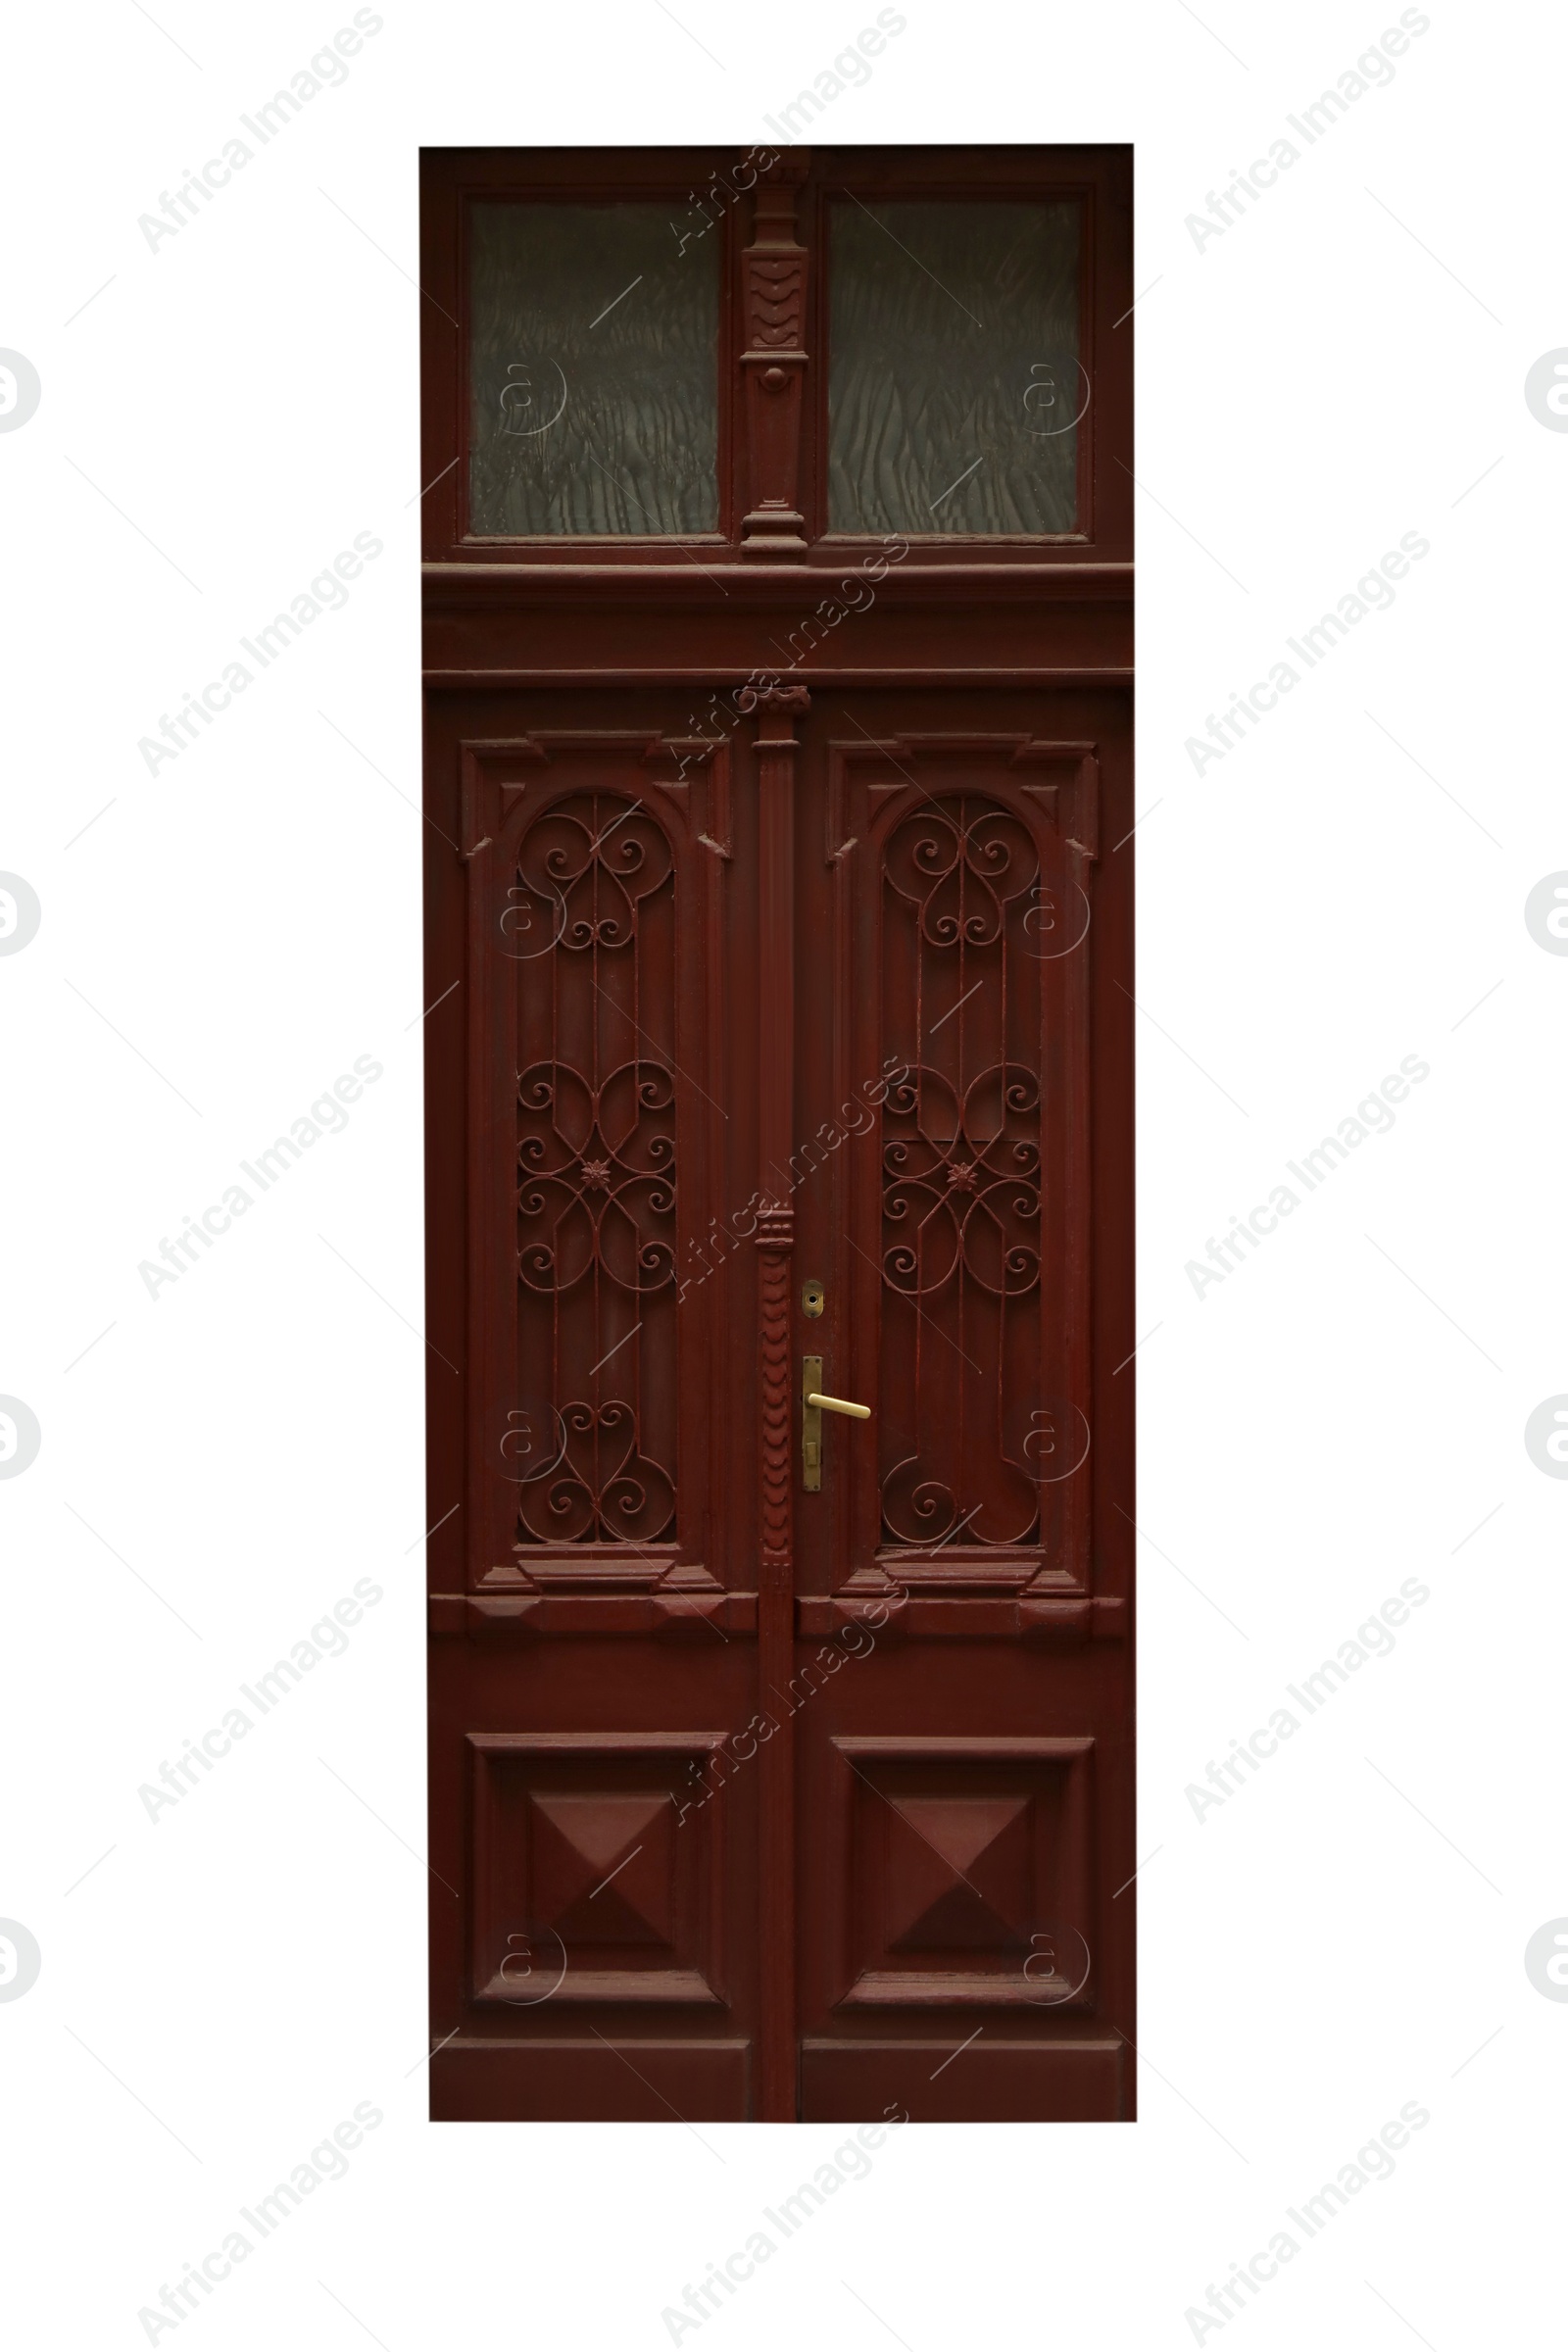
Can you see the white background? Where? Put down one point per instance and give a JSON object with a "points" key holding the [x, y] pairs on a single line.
{"points": [[1343, 365]]}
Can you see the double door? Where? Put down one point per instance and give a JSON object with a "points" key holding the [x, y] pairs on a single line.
{"points": [[780, 1292]]}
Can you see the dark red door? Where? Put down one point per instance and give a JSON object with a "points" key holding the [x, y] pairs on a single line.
{"points": [[779, 900]]}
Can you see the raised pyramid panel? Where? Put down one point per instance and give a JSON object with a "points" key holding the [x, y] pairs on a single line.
{"points": [[592, 1863], [962, 1860]]}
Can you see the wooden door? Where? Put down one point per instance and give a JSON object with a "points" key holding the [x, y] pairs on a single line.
{"points": [[779, 952]]}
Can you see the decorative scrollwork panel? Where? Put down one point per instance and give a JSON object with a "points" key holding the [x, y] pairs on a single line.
{"points": [[591, 913], [962, 1381]]}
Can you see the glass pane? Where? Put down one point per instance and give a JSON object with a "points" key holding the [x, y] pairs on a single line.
{"points": [[954, 388], [594, 371]]}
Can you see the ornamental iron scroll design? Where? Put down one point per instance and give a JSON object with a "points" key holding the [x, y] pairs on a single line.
{"points": [[962, 1138], [595, 1128]]}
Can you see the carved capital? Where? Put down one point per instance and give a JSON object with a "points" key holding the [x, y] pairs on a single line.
{"points": [[773, 698]]}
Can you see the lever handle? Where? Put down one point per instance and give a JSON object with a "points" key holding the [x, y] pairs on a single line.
{"points": [[838, 1404], [814, 1404]]}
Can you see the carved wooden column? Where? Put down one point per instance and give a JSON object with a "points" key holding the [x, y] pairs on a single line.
{"points": [[775, 1242], [773, 364]]}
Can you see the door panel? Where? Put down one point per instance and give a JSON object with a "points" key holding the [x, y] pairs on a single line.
{"points": [[997, 2082], [590, 968], [595, 1615], [964, 1770], [779, 957], [957, 867]]}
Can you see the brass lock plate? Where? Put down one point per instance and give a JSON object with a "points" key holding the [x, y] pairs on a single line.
{"points": [[812, 1299], [810, 1425]]}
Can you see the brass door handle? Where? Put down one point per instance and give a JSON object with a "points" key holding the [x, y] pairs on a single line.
{"points": [[813, 1405]]}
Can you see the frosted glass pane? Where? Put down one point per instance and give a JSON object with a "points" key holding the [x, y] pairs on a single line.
{"points": [[593, 372], [954, 383]]}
